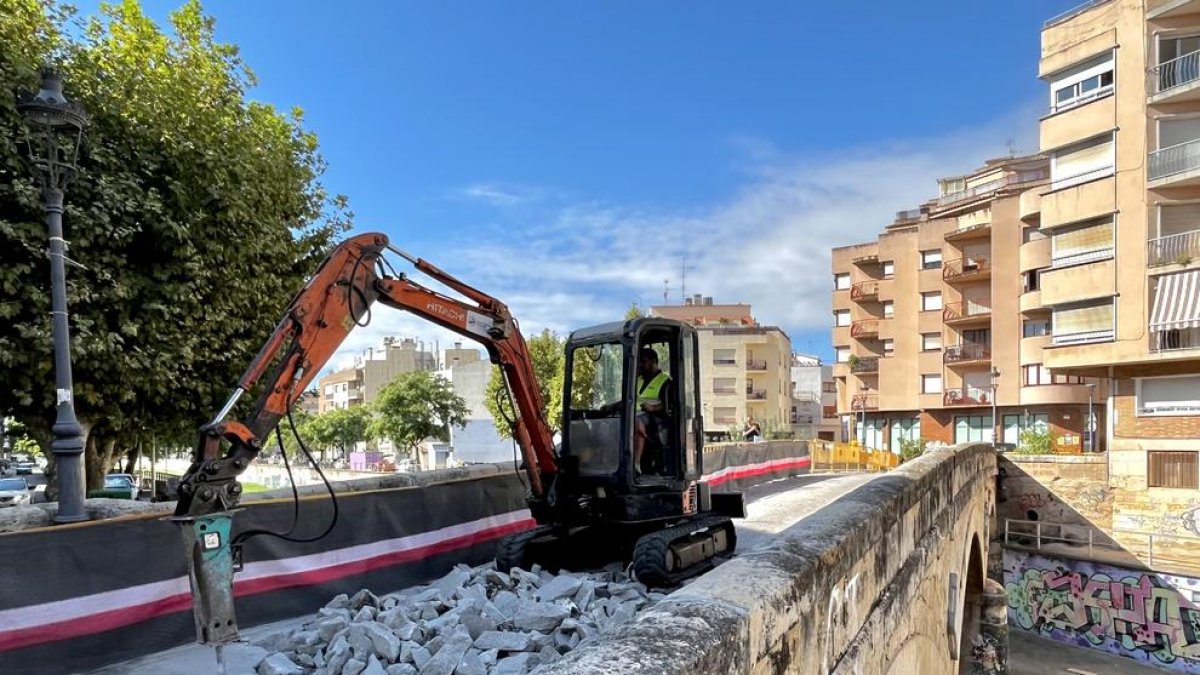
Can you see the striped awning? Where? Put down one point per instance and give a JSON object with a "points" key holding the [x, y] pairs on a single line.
{"points": [[1177, 302]]}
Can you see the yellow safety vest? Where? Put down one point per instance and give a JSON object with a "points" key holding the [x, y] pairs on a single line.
{"points": [[650, 393]]}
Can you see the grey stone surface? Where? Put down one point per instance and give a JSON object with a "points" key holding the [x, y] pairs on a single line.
{"points": [[539, 616], [517, 664], [559, 587], [508, 641], [278, 664], [401, 669], [354, 667], [383, 640], [374, 667], [446, 660], [471, 664]]}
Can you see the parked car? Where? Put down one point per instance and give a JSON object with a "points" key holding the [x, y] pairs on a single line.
{"points": [[24, 468], [122, 483], [14, 492]]}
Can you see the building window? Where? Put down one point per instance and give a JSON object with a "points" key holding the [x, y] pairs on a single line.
{"points": [[889, 269], [889, 346], [931, 301], [1172, 469], [724, 357], [843, 354], [931, 342], [1029, 281], [1037, 375], [1177, 61], [1169, 395], [931, 384], [725, 415], [889, 309], [1031, 234], [724, 385], [1090, 322], [931, 260], [950, 186], [973, 429], [841, 317], [1085, 82], [905, 430], [829, 387], [1082, 162], [1035, 327], [1014, 425], [1084, 243], [841, 282]]}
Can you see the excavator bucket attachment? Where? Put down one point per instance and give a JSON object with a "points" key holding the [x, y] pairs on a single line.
{"points": [[206, 544]]}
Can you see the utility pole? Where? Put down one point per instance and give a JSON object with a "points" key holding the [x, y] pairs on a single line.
{"points": [[683, 268]]}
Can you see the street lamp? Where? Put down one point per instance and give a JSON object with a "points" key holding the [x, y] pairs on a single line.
{"points": [[1091, 419], [55, 135], [862, 406], [995, 385]]}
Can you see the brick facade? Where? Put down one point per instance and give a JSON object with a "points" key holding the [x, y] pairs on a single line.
{"points": [[1130, 425], [1066, 424]]}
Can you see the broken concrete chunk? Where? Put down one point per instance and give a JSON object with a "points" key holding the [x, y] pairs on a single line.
{"points": [[452, 581], [337, 654], [561, 586], [471, 664], [539, 616], [446, 660], [327, 628], [364, 614], [489, 657], [364, 598], [401, 669], [516, 664], [420, 656], [278, 664], [503, 640], [435, 645], [585, 595], [383, 641], [340, 601], [374, 667], [507, 602], [354, 667]]}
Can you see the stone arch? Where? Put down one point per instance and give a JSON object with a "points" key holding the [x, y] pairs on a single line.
{"points": [[973, 580]]}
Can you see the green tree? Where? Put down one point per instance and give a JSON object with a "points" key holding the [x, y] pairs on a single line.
{"points": [[1034, 441], [196, 215], [911, 448], [634, 312], [341, 429], [416, 406], [546, 351]]}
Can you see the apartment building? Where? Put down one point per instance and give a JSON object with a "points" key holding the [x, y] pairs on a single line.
{"points": [[937, 330], [745, 368], [814, 400], [377, 367], [1119, 268]]}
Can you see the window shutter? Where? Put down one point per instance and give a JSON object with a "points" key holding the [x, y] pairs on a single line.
{"points": [[1178, 218], [1083, 319], [1176, 131], [1075, 241], [1083, 159]]}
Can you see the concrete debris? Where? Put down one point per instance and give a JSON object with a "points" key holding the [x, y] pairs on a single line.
{"points": [[472, 621]]}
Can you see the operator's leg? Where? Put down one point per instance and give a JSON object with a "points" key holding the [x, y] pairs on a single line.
{"points": [[639, 442]]}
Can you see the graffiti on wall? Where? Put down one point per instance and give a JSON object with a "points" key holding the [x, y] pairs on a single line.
{"points": [[1180, 518], [1144, 615]]}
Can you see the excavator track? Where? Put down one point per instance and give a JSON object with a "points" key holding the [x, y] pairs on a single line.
{"points": [[666, 557]]}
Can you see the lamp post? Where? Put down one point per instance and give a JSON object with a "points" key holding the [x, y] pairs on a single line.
{"points": [[995, 385], [56, 133], [862, 406], [1091, 419]]}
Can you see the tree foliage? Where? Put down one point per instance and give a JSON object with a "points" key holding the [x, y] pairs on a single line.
{"points": [[634, 312], [416, 406], [340, 429], [546, 351], [196, 215]]}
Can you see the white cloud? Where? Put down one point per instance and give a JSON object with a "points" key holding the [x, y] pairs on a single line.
{"points": [[568, 265], [498, 195]]}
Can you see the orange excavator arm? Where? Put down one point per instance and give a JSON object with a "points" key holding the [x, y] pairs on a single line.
{"points": [[337, 298]]}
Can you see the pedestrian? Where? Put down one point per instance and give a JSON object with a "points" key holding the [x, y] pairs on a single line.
{"points": [[752, 431]]}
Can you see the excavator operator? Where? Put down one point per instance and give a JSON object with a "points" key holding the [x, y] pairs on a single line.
{"points": [[652, 396]]}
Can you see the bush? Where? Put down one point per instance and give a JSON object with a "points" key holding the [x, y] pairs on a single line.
{"points": [[911, 448], [1035, 442]]}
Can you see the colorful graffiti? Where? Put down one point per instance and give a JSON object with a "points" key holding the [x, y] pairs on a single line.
{"points": [[1143, 615]]}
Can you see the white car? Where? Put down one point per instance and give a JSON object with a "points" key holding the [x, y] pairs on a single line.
{"points": [[14, 492], [121, 481]]}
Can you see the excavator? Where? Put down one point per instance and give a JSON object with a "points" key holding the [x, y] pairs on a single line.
{"points": [[621, 483]]}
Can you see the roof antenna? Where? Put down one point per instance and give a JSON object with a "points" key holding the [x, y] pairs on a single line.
{"points": [[1012, 148], [666, 291]]}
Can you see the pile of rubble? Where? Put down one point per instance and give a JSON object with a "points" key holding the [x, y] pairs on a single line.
{"points": [[479, 621]]}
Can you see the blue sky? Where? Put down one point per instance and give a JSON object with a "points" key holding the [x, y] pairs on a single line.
{"points": [[566, 156]]}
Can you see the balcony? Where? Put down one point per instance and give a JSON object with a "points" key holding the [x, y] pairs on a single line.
{"points": [[1080, 118], [962, 270], [1175, 249], [829, 412], [756, 364], [1084, 337], [1078, 202], [968, 353], [908, 216], [1174, 340], [967, 312], [864, 290], [1176, 80], [1030, 205], [1035, 253], [1095, 255], [864, 327], [966, 396], [867, 259], [1176, 165], [756, 394], [864, 364], [862, 402], [977, 231]]}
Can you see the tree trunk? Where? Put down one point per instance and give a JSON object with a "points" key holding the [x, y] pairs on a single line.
{"points": [[98, 453], [131, 457]]}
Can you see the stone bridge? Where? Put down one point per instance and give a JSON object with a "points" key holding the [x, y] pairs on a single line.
{"points": [[888, 578]]}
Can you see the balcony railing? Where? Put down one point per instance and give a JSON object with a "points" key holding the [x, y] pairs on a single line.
{"points": [[865, 364], [1175, 159], [993, 185], [864, 327], [1084, 337], [911, 214], [864, 289], [1081, 99], [968, 309], [829, 411], [1081, 258], [756, 394], [1080, 178], [967, 396], [864, 402], [1177, 72], [1175, 340], [965, 267], [1176, 248], [756, 364], [968, 351]]}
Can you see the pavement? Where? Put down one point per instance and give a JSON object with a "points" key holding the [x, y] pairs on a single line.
{"points": [[1029, 654]]}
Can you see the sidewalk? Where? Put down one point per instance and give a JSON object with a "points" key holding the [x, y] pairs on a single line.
{"points": [[193, 659], [1029, 654]]}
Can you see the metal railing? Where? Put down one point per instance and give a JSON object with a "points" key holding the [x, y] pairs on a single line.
{"points": [[862, 402], [1080, 258], [864, 327], [968, 309], [1175, 159], [1080, 178], [1153, 549], [965, 267], [968, 351], [756, 364], [966, 396], [1174, 340], [1092, 95], [1179, 248], [1082, 337], [865, 364], [1073, 12], [1177, 72], [910, 214], [806, 397], [756, 394], [864, 289], [993, 185]]}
